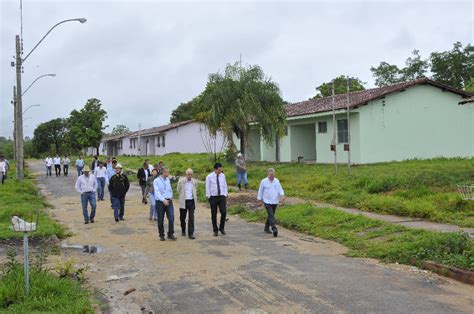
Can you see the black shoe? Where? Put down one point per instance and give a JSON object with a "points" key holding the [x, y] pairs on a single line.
{"points": [[222, 231], [216, 234], [275, 232], [172, 237], [183, 234], [121, 218], [92, 221], [116, 220], [192, 237], [86, 222], [162, 239], [267, 231]]}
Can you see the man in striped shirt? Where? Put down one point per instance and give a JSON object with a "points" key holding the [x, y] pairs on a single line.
{"points": [[86, 184]]}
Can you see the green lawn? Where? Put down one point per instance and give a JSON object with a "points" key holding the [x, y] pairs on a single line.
{"points": [[367, 237], [416, 188], [22, 199]]}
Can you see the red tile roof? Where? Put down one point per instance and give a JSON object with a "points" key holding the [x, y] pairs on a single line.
{"points": [[150, 131], [360, 98]]}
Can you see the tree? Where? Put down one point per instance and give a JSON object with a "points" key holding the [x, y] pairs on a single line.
{"points": [[470, 86], [86, 125], [186, 111], [239, 96], [51, 133], [386, 74], [455, 67], [340, 86], [6, 147], [120, 129], [415, 67]]}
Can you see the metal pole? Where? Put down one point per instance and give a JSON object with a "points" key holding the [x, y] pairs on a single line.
{"points": [[18, 114], [334, 128], [348, 130], [14, 117], [26, 265]]}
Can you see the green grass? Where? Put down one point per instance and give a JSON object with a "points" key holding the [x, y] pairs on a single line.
{"points": [[367, 237], [22, 199], [416, 188]]}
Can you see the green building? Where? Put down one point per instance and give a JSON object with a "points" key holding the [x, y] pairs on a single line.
{"points": [[415, 119]]}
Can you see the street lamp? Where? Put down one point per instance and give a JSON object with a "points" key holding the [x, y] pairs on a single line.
{"points": [[29, 108], [18, 103], [41, 76]]}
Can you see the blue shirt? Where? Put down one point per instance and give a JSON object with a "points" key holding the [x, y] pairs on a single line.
{"points": [[162, 188], [79, 163]]}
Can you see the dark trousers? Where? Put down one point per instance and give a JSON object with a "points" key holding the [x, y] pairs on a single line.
{"points": [[3, 175], [118, 204], [189, 207], [57, 170], [48, 171], [215, 202], [65, 169], [271, 209], [161, 209]]}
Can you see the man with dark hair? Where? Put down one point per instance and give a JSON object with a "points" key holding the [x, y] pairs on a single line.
{"points": [[118, 188], [57, 165], [142, 176], [95, 163], [216, 193]]}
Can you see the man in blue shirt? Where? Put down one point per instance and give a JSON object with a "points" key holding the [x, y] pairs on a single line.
{"points": [[164, 203], [270, 193]]}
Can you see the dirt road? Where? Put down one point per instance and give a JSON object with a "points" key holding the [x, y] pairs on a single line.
{"points": [[245, 271]]}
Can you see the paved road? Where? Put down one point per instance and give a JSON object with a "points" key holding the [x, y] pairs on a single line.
{"points": [[245, 271]]}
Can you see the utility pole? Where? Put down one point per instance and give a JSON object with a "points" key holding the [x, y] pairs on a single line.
{"points": [[334, 133], [348, 129], [18, 114], [14, 112]]}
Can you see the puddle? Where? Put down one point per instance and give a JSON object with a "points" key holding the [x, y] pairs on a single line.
{"points": [[89, 249]]}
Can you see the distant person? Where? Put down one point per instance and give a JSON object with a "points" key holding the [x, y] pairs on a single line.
{"points": [[150, 166], [49, 163], [100, 173], [270, 193], [95, 163], [150, 192], [66, 162], [187, 191], [57, 165], [7, 168], [164, 203], [110, 173], [3, 170], [79, 165], [118, 188], [86, 184], [142, 175], [241, 166], [216, 193]]}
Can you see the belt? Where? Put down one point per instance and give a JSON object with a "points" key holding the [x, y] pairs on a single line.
{"points": [[191, 199], [89, 192]]}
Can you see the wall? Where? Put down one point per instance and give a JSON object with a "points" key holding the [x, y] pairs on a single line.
{"points": [[303, 142], [421, 122]]}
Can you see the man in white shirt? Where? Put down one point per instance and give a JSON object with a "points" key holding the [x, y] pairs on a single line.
{"points": [[49, 163], [57, 165], [270, 193], [66, 162], [187, 190], [86, 184], [216, 193], [3, 169], [164, 203], [100, 173]]}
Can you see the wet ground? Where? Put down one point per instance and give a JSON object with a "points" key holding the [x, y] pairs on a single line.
{"points": [[245, 271]]}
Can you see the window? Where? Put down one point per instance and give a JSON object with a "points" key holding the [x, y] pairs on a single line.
{"points": [[342, 132], [158, 141], [322, 127], [163, 141], [119, 144], [134, 143]]}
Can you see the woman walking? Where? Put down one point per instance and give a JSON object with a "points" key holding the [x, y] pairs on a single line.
{"points": [[149, 191]]}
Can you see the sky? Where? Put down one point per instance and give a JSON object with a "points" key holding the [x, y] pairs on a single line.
{"points": [[143, 58]]}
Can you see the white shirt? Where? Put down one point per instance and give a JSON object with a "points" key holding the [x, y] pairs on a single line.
{"points": [[2, 166], [86, 184], [211, 185], [66, 161], [48, 161], [150, 167], [57, 160], [162, 187], [270, 191], [101, 173], [189, 189]]}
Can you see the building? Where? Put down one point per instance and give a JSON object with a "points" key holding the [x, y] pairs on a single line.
{"points": [[415, 119], [181, 137]]}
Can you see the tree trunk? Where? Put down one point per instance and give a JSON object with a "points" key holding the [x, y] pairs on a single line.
{"points": [[277, 149], [242, 143], [97, 150]]}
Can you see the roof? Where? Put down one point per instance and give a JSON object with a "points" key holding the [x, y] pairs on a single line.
{"points": [[360, 98], [467, 100], [145, 132]]}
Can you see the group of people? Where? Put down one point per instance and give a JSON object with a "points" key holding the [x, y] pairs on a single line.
{"points": [[156, 188], [57, 162]]}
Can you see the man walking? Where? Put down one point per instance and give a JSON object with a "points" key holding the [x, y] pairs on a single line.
{"points": [[66, 162], [142, 175], [241, 171], [3, 169], [79, 165], [270, 193], [187, 190], [216, 193], [57, 165], [164, 203], [100, 174], [95, 163], [49, 163], [86, 184], [118, 188]]}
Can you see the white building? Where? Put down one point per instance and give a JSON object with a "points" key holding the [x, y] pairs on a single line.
{"points": [[181, 137]]}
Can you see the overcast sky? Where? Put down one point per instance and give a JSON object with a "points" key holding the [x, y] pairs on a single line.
{"points": [[143, 58]]}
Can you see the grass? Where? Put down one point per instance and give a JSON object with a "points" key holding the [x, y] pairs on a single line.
{"points": [[22, 199], [367, 237], [415, 188]]}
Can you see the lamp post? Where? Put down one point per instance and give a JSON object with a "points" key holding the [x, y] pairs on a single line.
{"points": [[18, 104], [41, 76], [29, 108]]}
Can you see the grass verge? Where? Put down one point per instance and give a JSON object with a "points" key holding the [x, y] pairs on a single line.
{"points": [[367, 237]]}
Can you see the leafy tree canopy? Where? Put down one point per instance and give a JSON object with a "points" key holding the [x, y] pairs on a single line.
{"points": [[340, 86], [50, 134], [120, 129]]}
